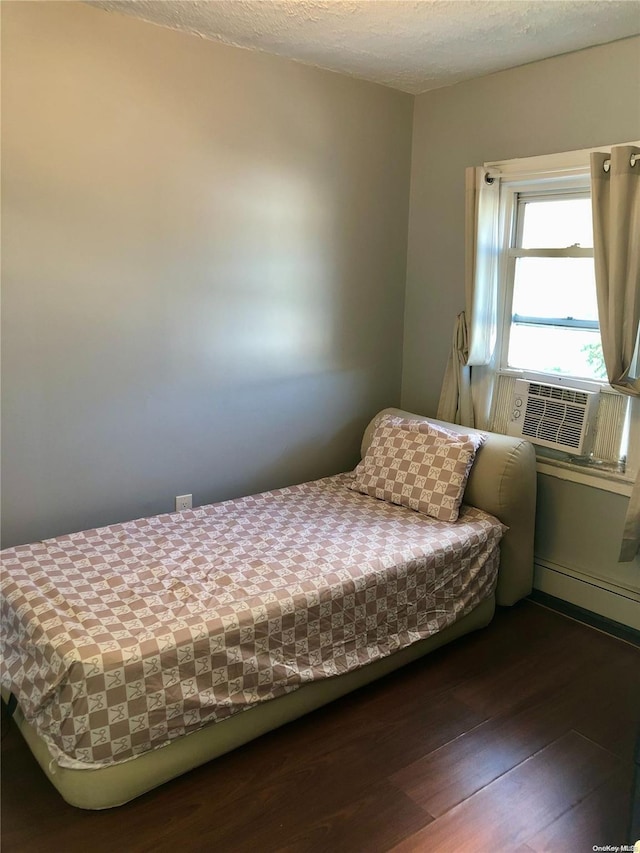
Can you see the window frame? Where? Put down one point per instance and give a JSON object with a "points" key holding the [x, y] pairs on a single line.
{"points": [[517, 191]]}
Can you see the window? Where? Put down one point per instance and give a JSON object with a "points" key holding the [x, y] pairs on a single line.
{"points": [[550, 308]]}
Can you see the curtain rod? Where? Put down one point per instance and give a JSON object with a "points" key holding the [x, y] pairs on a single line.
{"points": [[632, 162]]}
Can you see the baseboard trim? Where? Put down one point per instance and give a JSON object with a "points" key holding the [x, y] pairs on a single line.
{"points": [[588, 617], [587, 594]]}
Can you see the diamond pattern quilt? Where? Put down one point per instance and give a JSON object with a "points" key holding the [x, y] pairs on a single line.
{"points": [[117, 640]]}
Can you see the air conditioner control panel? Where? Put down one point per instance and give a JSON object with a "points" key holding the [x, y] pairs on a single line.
{"points": [[518, 403]]}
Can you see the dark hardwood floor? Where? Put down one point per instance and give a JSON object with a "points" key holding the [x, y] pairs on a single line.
{"points": [[517, 738]]}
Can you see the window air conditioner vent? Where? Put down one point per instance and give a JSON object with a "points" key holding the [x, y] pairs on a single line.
{"points": [[552, 416]]}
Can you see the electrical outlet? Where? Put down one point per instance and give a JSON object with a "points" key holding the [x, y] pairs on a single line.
{"points": [[183, 502]]}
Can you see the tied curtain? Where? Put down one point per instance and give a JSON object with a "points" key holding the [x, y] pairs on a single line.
{"points": [[615, 195], [474, 333]]}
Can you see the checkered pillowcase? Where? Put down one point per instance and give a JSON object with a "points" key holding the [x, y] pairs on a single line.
{"points": [[417, 465]]}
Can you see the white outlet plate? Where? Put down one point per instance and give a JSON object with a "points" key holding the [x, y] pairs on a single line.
{"points": [[183, 502]]}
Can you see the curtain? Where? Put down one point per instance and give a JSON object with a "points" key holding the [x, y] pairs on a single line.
{"points": [[475, 328], [455, 404], [615, 194]]}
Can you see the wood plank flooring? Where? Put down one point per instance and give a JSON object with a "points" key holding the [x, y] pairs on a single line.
{"points": [[516, 739]]}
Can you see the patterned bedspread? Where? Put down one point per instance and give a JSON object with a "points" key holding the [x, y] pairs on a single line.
{"points": [[118, 640]]}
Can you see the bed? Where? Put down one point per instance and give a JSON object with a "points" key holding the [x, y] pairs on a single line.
{"points": [[136, 652]]}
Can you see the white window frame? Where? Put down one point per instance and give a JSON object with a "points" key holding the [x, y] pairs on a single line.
{"points": [[576, 186], [562, 172]]}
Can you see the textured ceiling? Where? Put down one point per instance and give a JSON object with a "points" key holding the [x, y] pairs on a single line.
{"points": [[412, 45]]}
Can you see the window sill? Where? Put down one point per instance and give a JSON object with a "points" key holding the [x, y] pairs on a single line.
{"points": [[607, 481]]}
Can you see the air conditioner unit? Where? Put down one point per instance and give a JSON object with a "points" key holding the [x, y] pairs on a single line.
{"points": [[553, 416]]}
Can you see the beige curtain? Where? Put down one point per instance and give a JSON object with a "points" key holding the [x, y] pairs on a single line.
{"points": [[455, 404], [474, 333], [615, 191]]}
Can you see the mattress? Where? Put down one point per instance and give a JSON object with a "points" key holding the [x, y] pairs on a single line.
{"points": [[117, 641]]}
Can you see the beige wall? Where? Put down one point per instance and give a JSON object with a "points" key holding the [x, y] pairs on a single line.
{"points": [[204, 262], [204, 259], [580, 100]]}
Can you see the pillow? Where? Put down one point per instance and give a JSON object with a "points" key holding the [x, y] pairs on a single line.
{"points": [[417, 465]]}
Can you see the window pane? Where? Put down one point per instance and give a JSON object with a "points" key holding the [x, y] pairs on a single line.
{"points": [[567, 352], [557, 223], [555, 287]]}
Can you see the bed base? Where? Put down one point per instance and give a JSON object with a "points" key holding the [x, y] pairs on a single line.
{"points": [[117, 784]]}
